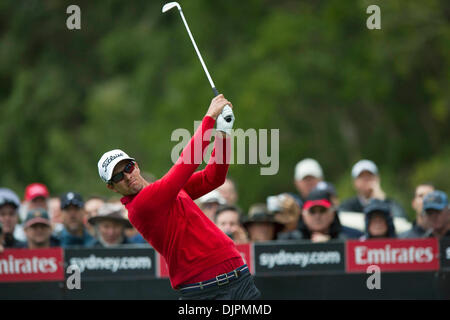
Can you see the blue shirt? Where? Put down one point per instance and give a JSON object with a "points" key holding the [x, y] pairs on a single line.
{"points": [[68, 239]]}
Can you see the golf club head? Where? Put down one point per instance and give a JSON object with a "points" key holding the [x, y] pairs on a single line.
{"points": [[170, 5]]}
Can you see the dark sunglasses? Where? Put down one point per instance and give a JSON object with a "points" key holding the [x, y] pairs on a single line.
{"points": [[317, 209], [129, 168]]}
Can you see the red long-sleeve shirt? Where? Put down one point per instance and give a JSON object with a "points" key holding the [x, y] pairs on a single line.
{"points": [[167, 217]]}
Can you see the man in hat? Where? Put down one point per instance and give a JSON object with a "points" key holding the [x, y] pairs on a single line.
{"points": [[261, 224], [38, 230], [437, 213], [366, 182], [36, 196], [203, 262], [110, 224], [319, 221], [74, 232], [9, 218], [328, 187], [308, 173]]}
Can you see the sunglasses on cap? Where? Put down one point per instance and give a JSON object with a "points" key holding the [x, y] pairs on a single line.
{"points": [[129, 168]]}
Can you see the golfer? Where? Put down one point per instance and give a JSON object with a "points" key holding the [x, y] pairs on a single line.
{"points": [[203, 262]]}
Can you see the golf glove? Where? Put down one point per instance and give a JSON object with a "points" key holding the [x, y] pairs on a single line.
{"points": [[222, 124]]}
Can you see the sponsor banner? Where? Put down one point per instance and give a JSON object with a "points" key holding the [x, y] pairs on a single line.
{"points": [[244, 249], [31, 265], [393, 255], [299, 258], [126, 262], [445, 253]]}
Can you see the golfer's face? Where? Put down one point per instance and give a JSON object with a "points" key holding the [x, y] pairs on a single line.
{"points": [[131, 182]]}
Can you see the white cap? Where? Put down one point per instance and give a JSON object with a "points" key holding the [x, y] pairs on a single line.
{"points": [[308, 167], [108, 161], [364, 165], [211, 197]]}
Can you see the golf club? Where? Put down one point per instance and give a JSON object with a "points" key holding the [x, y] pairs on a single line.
{"points": [[227, 112]]}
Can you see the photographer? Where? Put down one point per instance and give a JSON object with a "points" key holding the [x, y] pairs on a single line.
{"points": [[228, 219]]}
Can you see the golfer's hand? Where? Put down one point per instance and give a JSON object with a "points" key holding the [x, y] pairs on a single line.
{"points": [[217, 105]]}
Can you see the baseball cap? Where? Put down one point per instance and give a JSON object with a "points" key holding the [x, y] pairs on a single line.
{"points": [[7, 196], [35, 190], [364, 165], [436, 200], [212, 197], [36, 216], [328, 187], [317, 198], [71, 198], [377, 205], [308, 167], [108, 161]]}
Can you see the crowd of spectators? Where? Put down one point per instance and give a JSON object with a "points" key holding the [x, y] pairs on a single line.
{"points": [[312, 213]]}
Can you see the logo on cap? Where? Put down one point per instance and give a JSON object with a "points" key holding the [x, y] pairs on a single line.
{"points": [[109, 160], [37, 214]]}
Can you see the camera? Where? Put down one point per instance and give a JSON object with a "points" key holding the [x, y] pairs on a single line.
{"points": [[274, 203]]}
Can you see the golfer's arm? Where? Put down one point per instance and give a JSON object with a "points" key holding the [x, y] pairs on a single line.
{"points": [[168, 187], [215, 172]]}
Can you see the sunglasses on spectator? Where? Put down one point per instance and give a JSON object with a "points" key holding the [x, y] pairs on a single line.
{"points": [[317, 209], [129, 168]]}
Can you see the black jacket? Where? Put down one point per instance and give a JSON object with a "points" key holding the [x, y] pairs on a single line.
{"points": [[11, 242], [335, 229]]}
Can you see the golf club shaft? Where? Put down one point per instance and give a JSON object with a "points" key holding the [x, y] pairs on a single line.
{"points": [[216, 93]]}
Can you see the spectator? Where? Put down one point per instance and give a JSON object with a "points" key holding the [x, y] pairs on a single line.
{"points": [[419, 228], [287, 212], [131, 232], [367, 184], [9, 218], [228, 192], [260, 224], [329, 188], [319, 221], [210, 202], [308, 173], [38, 230], [110, 225], [437, 213], [228, 219], [54, 210], [91, 207], [74, 233], [348, 232], [379, 222], [36, 196]]}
